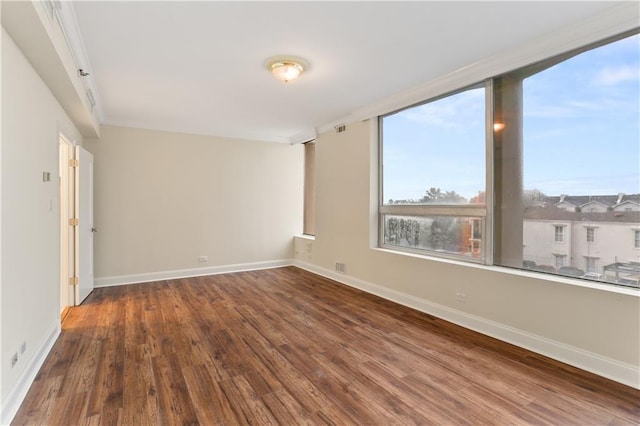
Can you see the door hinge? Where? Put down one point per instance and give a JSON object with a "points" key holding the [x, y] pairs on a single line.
{"points": [[73, 280], [73, 163], [73, 221]]}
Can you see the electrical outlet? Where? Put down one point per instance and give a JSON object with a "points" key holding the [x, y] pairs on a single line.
{"points": [[341, 267], [14, 360], [461, 297], [23, 347], [203, 259]]}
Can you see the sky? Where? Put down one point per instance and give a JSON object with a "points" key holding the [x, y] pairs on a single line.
{"points": [[581, 132]]}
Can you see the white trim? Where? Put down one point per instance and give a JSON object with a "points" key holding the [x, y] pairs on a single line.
{"points": [[305, 136], [239, 135], [557, 279], [186, 273], [71, 30], [589, 361], [613, 21], [16, 396]]}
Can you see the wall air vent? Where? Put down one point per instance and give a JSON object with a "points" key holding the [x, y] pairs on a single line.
{"points": [[341, 128]]}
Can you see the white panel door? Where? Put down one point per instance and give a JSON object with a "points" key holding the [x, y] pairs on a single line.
{"points": [[85, 228]]}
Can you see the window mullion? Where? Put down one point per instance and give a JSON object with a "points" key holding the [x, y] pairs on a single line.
{"points": [[488, 231], [434, 210]]}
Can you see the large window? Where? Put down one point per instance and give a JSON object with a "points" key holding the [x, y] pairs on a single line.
{"points": [[309, 222], [434, 175], [483, 173]]}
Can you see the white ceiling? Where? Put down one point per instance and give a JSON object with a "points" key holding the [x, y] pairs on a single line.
{"points": [[198, 67]]}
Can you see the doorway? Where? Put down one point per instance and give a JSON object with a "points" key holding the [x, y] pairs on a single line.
{"points": [[67, 234], [76, 224]]}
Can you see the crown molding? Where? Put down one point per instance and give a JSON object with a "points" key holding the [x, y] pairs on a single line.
{"points": [[245, 136], [304, 136]]}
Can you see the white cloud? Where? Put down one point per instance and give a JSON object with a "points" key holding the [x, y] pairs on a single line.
{"points": [[549, 111], [602, 105], [566, 109], [586, 185], [454, 111], [610, 76], [593, 106]]}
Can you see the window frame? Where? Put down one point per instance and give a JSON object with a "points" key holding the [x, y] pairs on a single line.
{"points": [[493, 238], [636, 239], [482, 211], [309, 190], [562, 234], [591, 231]]}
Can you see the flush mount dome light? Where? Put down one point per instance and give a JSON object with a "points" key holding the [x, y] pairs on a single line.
{"points": [[287, 68]]}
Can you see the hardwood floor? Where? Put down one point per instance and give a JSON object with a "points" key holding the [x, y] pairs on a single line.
{"points": [[284, 346]]}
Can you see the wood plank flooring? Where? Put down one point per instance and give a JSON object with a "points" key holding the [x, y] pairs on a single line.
{"points": [[284, 346]]}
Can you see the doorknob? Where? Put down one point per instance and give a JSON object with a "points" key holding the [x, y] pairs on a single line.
{"points": [[94, 229]]}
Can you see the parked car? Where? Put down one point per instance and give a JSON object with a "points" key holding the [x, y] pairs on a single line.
{"points": [[571, 271], [592, 276], [629, 282], [545, 268]]}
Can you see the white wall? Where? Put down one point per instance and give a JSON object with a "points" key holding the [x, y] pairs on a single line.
{"points": [[164, 199], [540, 244], [31, 122], [590, 324], [614, 242]]}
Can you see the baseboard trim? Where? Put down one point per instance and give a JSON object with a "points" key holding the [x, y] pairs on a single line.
{"points": [[12, 403], [603, 366], [188, 273]]}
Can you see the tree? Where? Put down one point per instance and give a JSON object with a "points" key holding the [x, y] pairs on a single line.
{"points": [[433, 194], [454, 197], [533, 197], [436, 196], [391, 231], [530, 197], [481, 198], [402, 231]]}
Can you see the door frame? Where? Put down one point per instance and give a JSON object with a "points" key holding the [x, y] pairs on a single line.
{"points": [[67, 186]]}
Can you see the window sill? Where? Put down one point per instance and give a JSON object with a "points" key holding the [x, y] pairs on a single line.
{"points": [[522, 273], [306, 237]]}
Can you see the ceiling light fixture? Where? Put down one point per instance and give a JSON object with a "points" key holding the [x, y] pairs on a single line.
{"points": [[287, 68]]}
